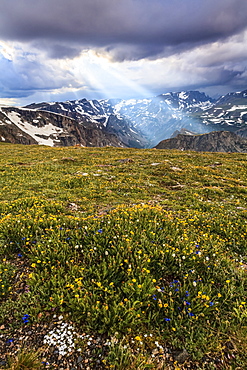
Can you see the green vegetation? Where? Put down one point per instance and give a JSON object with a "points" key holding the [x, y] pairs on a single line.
{"points": [[25, 360], [144, 248]]}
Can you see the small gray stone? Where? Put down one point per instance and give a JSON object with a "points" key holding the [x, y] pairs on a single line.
{"points": [[79, 359], [181, 356]]}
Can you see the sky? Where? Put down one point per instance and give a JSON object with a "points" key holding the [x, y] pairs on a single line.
{"points": [[57, 50]]}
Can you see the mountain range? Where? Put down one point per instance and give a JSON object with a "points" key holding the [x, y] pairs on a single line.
{"points": [[138, 123]]}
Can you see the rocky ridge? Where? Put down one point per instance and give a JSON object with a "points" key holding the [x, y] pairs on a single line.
{"points": [[217, 141]]}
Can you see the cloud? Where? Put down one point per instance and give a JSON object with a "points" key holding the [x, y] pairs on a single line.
{"points": [[127, 29], [57, 51], [24, 72], [218, 65], [112, 48]]}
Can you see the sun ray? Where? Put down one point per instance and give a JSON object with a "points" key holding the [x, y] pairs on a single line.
{"points": [[105, 78]]}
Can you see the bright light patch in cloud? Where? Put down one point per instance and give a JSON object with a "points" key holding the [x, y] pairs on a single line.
{"points": [[7, 102], [6, 50], [108, 79]]}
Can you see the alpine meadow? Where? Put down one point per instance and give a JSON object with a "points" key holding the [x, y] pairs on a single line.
{"points": [[123, 185], [117, 258]]}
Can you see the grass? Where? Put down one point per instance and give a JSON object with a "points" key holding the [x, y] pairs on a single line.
{"points": [[144, 247], [25, 360]]}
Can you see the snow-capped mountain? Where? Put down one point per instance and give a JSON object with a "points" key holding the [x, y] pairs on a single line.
{"points": [[27, 126], [229, 112], [135, 123], [159, 117], [189, 101], [101, 114]]}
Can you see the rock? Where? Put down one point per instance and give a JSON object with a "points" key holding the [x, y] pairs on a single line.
{"points": [[79, 359], [126, 160], [68, 159], [73, 206], [181, 356]]}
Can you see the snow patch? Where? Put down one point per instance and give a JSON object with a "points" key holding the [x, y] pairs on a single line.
{"points": [[34, 131], [62, 107], [93, 106], [215, 120], [183, 95], [237, 107], [130, 102]]}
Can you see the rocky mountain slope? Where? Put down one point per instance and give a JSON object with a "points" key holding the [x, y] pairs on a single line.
{"points": [[228, 112], [25, 126], [101, 114], [217, 141]]}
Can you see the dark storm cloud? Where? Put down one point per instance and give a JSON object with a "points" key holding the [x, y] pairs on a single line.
{"points": [[57, 51], [60, 51], [127, 29]]}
